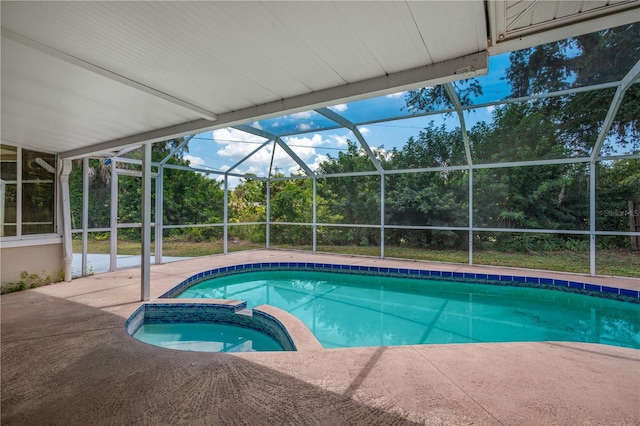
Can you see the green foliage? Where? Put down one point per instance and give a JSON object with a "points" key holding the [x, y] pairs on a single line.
{"points": [[354, 200], [198, 235], [589, 59], [292, 202], [435, 97], [32, 280], [188, 197], [12, 287], [617, 184]]}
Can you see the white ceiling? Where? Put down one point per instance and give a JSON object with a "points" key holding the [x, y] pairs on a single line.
{"points": [[81, 77]]}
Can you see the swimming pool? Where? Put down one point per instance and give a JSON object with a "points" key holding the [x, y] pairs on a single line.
{"points": [[350, 310]]}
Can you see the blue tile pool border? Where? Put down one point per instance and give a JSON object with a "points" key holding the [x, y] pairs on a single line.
{"points": [[237, 315], [608, 292]]}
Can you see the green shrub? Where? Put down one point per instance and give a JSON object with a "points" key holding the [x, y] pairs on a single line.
{"points": [[28, 280]]}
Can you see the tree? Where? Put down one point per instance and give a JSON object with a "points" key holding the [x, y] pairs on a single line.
{"points": [[589, 59], [292, 201], [189, 197], [617, 183], [354, 200], [435, 97]]}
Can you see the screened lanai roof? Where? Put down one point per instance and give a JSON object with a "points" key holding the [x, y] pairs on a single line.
{"points": [[81, 78]]}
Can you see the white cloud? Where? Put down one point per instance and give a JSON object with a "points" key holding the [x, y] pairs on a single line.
{"points": [[315, 140], [233, 181], [491, 108], [364, 130], [396, 95], [199, 162], [295, 170], [302, 115], [228, 135], [303, 147], [386, 154], [194, 161], [232, 143], [339, 107], [316, 161], [340, 141], [304, 126], [253, 170], [232, 147]]}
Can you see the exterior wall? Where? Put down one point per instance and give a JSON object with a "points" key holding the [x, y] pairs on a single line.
{"points": [[33, 259]]}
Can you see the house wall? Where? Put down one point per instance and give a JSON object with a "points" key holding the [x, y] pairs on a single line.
{"points": [[33, 259]]}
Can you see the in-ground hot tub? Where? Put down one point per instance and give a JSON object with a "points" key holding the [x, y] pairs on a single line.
{"points": [[208, 326]]}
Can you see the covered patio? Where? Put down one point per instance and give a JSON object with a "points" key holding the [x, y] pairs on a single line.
{"points": [[68, 360], [105, 81]]}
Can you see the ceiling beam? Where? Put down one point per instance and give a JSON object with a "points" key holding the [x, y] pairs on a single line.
{"points": [[175, 149], [65, 57], [455, 69], [246, 157], [262, 133], [455, 100], [295, 157], [625, 83]]}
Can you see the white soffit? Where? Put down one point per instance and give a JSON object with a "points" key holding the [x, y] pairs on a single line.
{"points": [[53, 106], [83, 76], [519, 24]]}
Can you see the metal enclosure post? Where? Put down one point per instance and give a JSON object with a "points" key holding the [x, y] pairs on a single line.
{"points": [[85, 214], [66, 218], [159, 214], [455, 100], [19, 194], [470, 216], [114, 218], [592, 218], [623, 86], [268, 230], [382, 216], [225, 236], [315, 217], [145, 277]]}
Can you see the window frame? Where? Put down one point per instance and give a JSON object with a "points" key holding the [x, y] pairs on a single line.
{"points": [[21, 239]]}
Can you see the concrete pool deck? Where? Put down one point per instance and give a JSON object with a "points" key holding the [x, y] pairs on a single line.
{"points": [[67, 359]]}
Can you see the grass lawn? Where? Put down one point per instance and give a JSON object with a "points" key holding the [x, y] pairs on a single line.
{"points": [[625, 263], [169, 248]]}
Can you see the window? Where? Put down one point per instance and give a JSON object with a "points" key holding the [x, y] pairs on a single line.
{"points": [[27, 192]]}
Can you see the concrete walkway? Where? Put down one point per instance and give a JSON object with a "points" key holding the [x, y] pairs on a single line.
{"points": [[100, 263], [67, 360]]}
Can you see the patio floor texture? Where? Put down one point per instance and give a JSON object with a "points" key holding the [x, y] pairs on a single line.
{"points": [[67, 360]]}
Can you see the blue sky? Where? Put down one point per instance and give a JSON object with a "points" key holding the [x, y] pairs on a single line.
{"points": [[221, 149]]}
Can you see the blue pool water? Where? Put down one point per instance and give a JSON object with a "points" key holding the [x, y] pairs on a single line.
{"points": [[206, 337], [349, 310]]}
